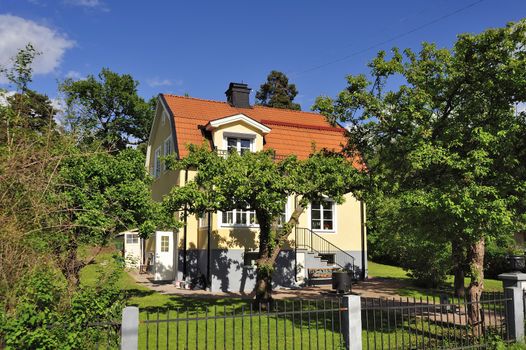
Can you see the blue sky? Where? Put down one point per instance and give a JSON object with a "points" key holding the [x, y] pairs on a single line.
{"points": [[198, 47]]}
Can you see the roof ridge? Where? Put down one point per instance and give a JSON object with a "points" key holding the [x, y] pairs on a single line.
{"points": [[195, 98], [254, 106], [289, 110]]}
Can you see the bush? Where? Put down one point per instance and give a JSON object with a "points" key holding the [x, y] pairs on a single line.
{"points": [[49, 317]]}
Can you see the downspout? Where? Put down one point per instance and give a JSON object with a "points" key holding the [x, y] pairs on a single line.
{"points": [[185, 213], [209, 253], [362, 229], [295, 244]]}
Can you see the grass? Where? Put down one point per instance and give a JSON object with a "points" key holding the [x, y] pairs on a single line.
{"points": [[206, 323], [412, 291]]}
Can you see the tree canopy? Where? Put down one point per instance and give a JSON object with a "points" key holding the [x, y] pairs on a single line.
{"points": [[108, 109], [446, 141], [256, 181], [277, 92]]}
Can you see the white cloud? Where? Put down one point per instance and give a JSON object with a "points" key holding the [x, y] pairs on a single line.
{"points": [[17, 32], [74, 75], [88, 4], [156, 82]]}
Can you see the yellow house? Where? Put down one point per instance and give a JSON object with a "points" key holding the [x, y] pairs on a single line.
{"points": [[218, 251]]}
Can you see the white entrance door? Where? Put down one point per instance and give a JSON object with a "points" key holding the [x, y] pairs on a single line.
{"points": [[164, 256]]}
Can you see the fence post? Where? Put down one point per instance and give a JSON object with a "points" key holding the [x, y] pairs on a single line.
{"points": [[352, 322], [515, 312], [130, 328]]}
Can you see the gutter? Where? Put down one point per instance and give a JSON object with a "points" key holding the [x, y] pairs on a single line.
{"points": [[363, 238]]}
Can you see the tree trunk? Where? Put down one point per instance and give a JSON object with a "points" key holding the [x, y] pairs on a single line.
{"points": [[71, 266], [267, 255], [458, 284], [459, 265], [476, 265]]}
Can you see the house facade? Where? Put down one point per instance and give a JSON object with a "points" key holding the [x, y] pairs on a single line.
{"points": [[219, 249]]}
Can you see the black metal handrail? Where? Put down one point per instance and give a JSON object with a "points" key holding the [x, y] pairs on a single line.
{"points": [[307, 239]]}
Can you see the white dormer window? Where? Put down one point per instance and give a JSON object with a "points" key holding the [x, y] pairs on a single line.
{"points": [[157, 163], [238, 144]]}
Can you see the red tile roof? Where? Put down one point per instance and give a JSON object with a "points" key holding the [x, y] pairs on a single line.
{"points": [[293, 132]]}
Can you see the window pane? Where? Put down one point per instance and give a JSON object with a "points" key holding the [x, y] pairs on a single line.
{"points": [[253, 220], [231, 144], [327, 225], [241, 217], [227, 217], [244, 145], [316, 224], [315, 214], [165, 244], [327, 214], [316, 205]]}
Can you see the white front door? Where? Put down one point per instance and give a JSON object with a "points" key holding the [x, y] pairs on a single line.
{"points": [[164, 256]]}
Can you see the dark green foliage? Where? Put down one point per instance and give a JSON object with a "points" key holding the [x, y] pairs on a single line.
{"points": [[446, 142], [277, 92], [47, 318], [108, 109]]}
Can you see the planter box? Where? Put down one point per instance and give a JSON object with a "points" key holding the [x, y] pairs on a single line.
{"points": [[517, 262], [341, 281]]}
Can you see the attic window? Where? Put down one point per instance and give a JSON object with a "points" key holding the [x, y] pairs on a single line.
{"points": [[239, 145]]}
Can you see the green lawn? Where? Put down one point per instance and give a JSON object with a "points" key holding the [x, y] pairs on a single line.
{"points": [[206, 323], [394, 272]]}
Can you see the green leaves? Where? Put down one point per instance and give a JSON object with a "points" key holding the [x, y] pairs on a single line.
{"points": [[438, 132], [277, 92], [107, 108]]}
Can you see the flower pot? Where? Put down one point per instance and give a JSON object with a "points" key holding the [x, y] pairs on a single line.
{"points": [[517, 262], [341, 281]]}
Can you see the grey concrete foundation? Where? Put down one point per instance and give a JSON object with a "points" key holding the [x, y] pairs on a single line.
{"points": [[230, 275]]}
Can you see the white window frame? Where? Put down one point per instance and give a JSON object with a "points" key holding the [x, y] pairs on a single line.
{"points": [[132, 238], [334, 217], [165, 244], [167, 149], [239, 136], [220, 217], [157, 162]]}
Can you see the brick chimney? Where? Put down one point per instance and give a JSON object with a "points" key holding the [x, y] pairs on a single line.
{"points": [[238, 95]]}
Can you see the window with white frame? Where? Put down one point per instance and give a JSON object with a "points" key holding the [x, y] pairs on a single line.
{"points": [[157, 162], [322, 215], [245, 217], [132, 238], [241, 217], [165, 244], [238, 144], [168, 148]]}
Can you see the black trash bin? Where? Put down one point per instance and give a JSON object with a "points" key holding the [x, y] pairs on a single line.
{"points": [[341, 281]]}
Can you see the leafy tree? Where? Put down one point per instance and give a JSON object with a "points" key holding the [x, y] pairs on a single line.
{"points": [[108, 109], [99, 195], [445, 141], [25, 110], [255, 181], [277, 92]]}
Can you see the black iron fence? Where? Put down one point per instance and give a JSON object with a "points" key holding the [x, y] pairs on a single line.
{"points": [[299, 324], [436, 322]]}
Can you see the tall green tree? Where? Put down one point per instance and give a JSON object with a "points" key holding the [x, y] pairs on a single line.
{"points": [[108, 109], [255, 181], [445, 140], [277, 92]]}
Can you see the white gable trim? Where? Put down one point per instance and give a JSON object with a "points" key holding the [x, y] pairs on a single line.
{"points": [[238, 118]]}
